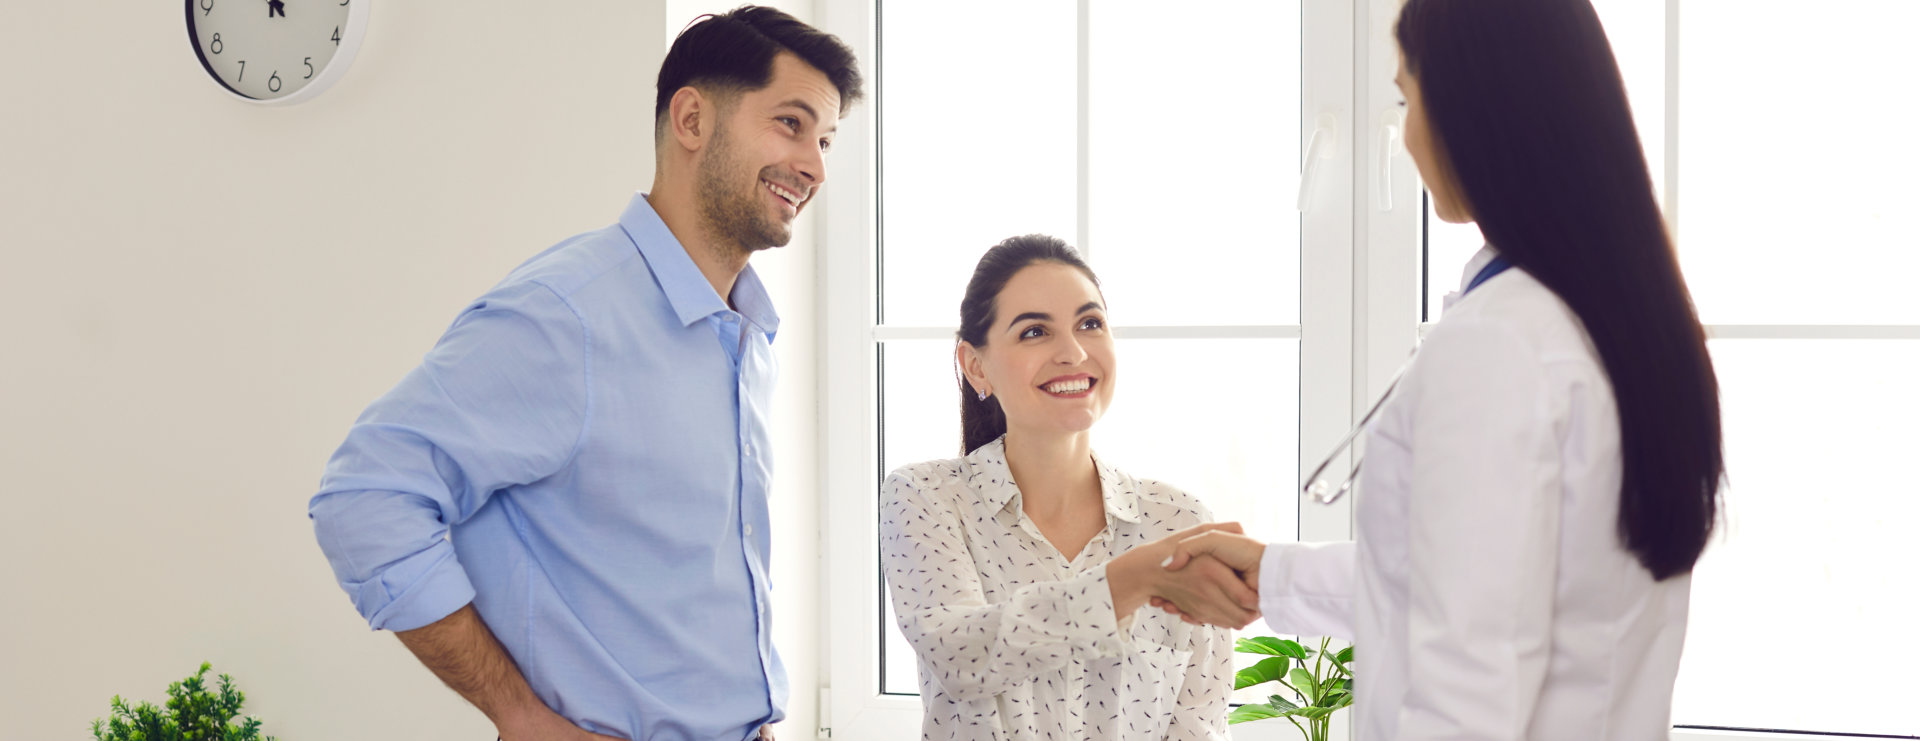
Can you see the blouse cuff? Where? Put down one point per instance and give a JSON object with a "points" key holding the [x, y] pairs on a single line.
{"points": [[1094, 629]]}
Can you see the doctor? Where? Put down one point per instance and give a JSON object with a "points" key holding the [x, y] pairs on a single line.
{"points": [[1540, 483]]}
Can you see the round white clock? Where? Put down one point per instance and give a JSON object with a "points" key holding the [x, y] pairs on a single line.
{"points": [[276, 51]]}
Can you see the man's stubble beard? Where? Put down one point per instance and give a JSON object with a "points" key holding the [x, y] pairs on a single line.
{"points": [[736, 219]]}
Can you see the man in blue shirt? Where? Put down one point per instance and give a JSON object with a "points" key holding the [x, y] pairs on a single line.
{"points": [[563, 510]]}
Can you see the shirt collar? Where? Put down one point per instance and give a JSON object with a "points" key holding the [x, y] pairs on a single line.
{"points": [[688, 291], [990, 476], [1474, 266]]}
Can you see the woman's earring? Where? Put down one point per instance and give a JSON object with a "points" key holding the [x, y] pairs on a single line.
{"points": [[983, 395]]}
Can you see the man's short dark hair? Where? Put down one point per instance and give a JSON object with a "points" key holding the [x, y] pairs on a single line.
{"points": [[733, 52]]}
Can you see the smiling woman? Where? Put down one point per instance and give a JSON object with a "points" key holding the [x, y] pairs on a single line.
{"points": [[1019, 569]]}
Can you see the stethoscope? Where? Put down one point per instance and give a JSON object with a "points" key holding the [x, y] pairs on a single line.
{"points": [[1317, 487]]}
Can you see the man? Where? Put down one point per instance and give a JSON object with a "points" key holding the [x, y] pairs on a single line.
{"points": [[594, 432]]}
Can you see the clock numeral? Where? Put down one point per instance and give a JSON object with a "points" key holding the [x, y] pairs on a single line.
{"points": [[216, 46], [309, 62], [343, 2], [243, 71], [336, 35], [273, 82], [206, 8]]}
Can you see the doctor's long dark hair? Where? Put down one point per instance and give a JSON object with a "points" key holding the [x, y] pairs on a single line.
{"points": [[981, 420], [1525, 99]]}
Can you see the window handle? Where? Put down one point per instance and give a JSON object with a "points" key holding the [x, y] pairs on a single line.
{"points": [[1320, 146], [1389, 146]]}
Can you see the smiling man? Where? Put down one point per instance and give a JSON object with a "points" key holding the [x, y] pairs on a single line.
{"points": [[563, 510]]}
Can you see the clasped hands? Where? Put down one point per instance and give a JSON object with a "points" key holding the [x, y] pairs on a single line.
{"points": [[1208, 574]]}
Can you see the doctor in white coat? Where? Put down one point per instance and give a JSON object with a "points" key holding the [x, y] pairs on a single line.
{"points": [[1539, 484]]}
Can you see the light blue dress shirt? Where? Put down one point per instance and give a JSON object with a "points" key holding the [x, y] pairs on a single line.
{"points": [[593, 432]]}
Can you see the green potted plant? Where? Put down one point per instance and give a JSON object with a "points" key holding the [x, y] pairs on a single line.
{"points": [[1317, 692], [192, 713]]}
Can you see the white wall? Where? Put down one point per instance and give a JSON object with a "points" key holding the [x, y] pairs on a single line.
{"points": [[198, 296]]}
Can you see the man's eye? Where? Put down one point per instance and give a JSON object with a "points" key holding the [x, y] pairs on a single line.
{"points": [[791, 122], [825, 145]]}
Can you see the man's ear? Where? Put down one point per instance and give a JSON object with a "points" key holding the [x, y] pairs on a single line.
{"points": [[690, 118]]}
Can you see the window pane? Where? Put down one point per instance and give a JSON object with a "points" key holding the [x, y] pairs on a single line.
{"points": [[1180, 194], [1235, 446], [1796, 194], [1637, 30], [1811, 584], [977, 114], [919, 420]]}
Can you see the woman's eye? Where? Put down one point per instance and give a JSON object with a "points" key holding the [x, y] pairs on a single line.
{"points": [[1092, 322], [1032, 332]]}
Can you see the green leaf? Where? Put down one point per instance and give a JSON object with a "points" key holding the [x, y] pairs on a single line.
{"points": [[1303, 682], [1264, 645], [1290, 648], [1314, 713], [1345, 656], [1282, 703], [1251, 712], [1268, 670]]}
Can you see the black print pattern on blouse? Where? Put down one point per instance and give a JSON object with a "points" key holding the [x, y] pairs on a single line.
{"points": [[1016, 641]]}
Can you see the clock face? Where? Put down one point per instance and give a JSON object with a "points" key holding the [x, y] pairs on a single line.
{"points": [[268, 50]]}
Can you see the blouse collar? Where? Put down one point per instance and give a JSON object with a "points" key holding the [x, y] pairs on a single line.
{"points": [[989, 475]]}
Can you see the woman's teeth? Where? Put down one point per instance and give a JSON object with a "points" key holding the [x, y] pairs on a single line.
{"points": [[1069, 387]]}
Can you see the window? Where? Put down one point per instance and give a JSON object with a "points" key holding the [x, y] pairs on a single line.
{"points": [[1778, 173]]}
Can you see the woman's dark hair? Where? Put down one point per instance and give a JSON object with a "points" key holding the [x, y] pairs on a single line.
{"points": [[981, 420], [1527, 104], [733, 52]]}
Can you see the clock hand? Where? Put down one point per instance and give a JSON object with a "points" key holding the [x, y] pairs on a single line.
{"points": [[276, 6]]}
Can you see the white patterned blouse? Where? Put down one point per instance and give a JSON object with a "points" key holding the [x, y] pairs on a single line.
{"points": [[1017, 641]]}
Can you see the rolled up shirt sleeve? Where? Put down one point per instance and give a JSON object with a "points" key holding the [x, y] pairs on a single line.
{"points": [[502, 399]]}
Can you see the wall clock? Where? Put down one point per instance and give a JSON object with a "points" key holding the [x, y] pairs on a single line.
{"points": [[276, 52]]}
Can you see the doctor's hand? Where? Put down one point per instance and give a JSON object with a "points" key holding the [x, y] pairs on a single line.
{"points": [[1206, 590], [1232, 549]]}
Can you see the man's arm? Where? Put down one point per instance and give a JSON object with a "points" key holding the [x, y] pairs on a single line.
{"points": [[463, 653]]}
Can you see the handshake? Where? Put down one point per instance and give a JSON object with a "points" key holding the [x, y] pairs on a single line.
{"points": [[1208, 575]]}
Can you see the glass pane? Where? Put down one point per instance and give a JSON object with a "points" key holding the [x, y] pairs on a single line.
{"points": [[1237, 450], [1812, 580], [1637, 30], [1796, 194], [1169, 210], [977, 114]]}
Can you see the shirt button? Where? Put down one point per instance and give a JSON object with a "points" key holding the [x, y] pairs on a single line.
{"points": [[749, 529]]}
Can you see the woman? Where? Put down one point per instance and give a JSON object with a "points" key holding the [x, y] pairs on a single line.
{"points": [[1017, 570], [1539, 485]]}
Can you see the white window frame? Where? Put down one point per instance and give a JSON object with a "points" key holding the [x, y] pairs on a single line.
{"points": [[1360, 315]]}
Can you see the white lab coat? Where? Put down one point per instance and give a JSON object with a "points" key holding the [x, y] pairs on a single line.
{"points": [[1487, 592]]}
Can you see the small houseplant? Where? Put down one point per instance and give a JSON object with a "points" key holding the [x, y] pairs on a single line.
{"points": [[1316, 692], [192, 713]]}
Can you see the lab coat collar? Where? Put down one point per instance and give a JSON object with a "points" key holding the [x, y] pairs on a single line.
{"points": [[1479, 261]]}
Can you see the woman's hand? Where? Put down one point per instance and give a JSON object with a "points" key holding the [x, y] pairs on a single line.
{"points": [[1231, 549], [1203, 590]]}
